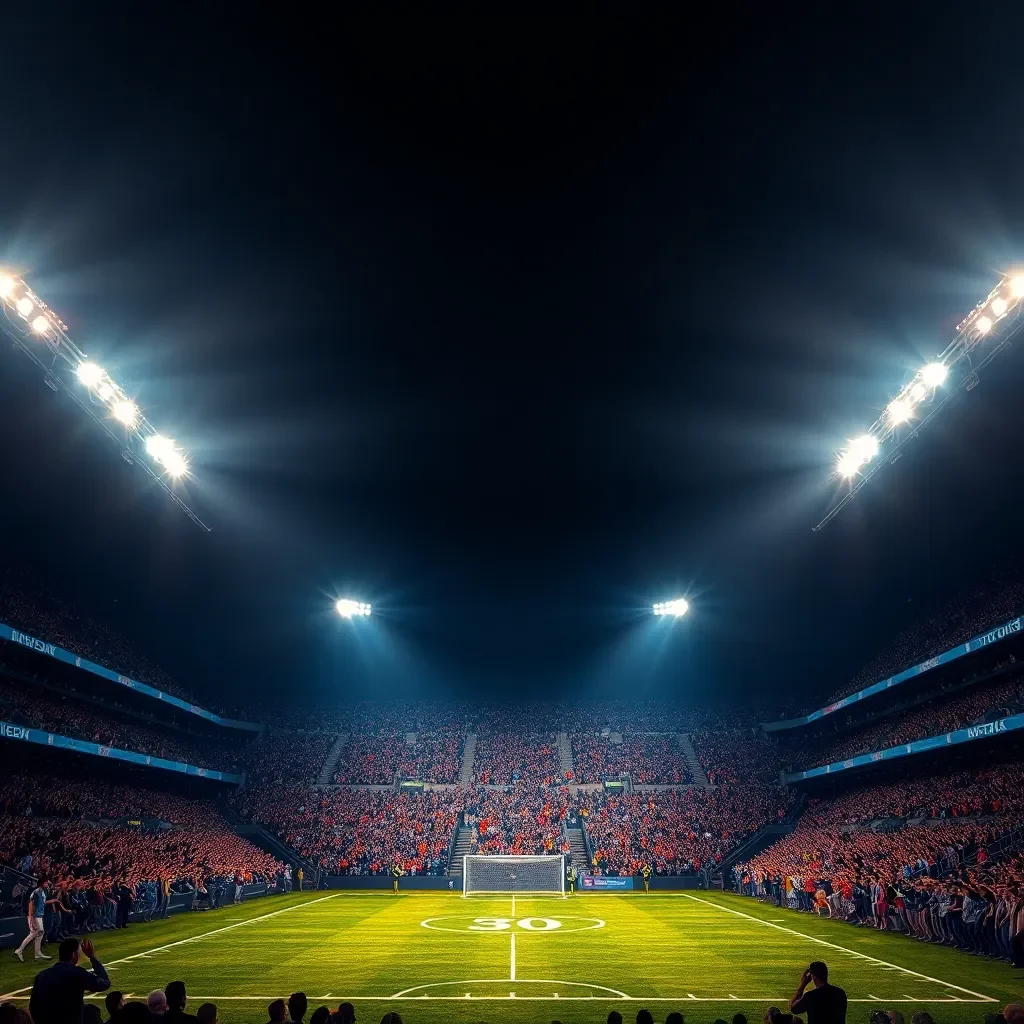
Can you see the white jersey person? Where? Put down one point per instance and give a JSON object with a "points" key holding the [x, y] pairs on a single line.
{"points": [[36, 909]]}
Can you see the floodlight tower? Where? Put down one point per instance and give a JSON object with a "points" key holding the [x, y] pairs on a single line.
{"points": [[980, 337], [42, 336]]}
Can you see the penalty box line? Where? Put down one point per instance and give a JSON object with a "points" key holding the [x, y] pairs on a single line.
{"points": [[196, 938], [843, 949]]}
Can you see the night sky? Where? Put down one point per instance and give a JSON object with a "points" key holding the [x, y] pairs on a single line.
{"points": [[512, 327]]}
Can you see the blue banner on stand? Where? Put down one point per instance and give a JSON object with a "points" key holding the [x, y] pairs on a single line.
{"points": [[20, 733], [961, 650], [53, 651], [606, 882]]}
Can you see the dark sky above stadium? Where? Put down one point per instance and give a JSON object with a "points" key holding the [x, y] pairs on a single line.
{"points": [[512, 327]]}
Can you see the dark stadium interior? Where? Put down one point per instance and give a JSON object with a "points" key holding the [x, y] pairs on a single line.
{"points": [[511, 329]]}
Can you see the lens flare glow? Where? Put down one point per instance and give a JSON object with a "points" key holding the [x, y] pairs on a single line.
{"points": [[934, 374], [984, 324], [6, 286], [899, 411], [999, 305], [127, 412], [24, 306], [89, 374], [677, 607], [41, 325]]}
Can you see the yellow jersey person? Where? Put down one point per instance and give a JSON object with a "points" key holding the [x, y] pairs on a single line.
{"points": [[396, 874], [571, 875], [646, 872], [298, 878]]}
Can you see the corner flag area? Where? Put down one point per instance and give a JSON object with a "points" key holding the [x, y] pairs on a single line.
{"points": [[438, 957]]}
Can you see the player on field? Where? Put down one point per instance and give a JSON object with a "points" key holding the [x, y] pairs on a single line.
{"points": [[396, 874], [35, 910], [571, 875], [646, 872]]}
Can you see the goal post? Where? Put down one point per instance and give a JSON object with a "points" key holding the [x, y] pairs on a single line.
{"points": [[482, 873]]}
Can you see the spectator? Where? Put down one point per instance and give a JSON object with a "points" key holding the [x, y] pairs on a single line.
{"points": [[614, 1017], [58, 992], [391, 1018], [156, 1003], [176, 1000], [277, 1011], [297, 1006], [91, 1014], [644, 1017], [113, 1002], [825, 1003], [321, 1015], [207, 1014], [675, 1017], [346, 1013]]}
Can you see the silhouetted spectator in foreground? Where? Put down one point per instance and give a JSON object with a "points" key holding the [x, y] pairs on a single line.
{"points": [[207, 1014], [277, 1011], [176, 999], [58, 992], [825, 1003], [297, 1006]]}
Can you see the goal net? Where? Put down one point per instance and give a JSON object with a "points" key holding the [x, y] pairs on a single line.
{"points": [[482, 873]]}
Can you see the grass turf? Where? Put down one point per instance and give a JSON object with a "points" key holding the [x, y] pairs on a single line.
{"points": [[707, 954]]}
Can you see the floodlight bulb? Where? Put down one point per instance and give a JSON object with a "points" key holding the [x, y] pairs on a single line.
{"points": [[677, 607], [6, 286], [899, 411], [984, 324], [175, 463], [848, 464], [934, 374], [1017, 286], [999, 305], [127, 412], [347, 608], [40, 325], [89, 374], [159, 446], [24, 306], [864, 448]]}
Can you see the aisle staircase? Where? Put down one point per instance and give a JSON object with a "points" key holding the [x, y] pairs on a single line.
{"points": [[466, 772], [463, 844], [700, 777], [326, 775], [578, 848], [565, 755]]}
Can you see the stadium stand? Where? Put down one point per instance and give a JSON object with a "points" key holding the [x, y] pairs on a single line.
{"points": [[647, 760], [506, 757]]}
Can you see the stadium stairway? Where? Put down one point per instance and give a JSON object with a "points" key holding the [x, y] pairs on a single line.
{"points": [[463, 844], [565, 756], [466, 772], [331, 760], [578, 848], [700, 777]]}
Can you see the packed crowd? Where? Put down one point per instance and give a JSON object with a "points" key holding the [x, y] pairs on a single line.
{"points": [[277, 758], [90, 838], [434, 758], [647, 759], [677, 832], [906, 856], [945, 713], [503, 758], [369, 760], [736, 756], [519, 820], [360, 831]]}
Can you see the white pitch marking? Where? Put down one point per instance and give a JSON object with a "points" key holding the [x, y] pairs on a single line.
{"points": [[876, 999], [842, 949], [512, 976], [577, 999], [513, 906], [690, 995]]}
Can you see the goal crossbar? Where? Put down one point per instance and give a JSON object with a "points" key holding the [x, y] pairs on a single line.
{"points": [[500, 873]]}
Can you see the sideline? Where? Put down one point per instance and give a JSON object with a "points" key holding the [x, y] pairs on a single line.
{"points": [[834, 945]]}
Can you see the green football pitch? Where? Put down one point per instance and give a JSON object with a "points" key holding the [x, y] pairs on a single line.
{"points": [[435, 957]]}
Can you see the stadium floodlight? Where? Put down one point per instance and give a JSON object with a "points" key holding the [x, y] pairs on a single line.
{"points": [[127, 412], [900, 410], [677, 607], [865, 447], [981, 335], [89, 374], [349, 609], [159, 446], [175, 463], [67, 369]]}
